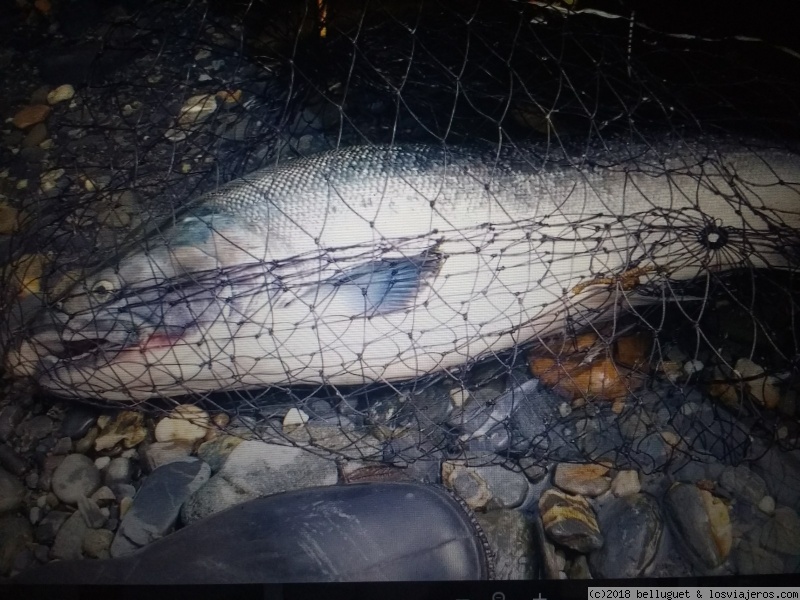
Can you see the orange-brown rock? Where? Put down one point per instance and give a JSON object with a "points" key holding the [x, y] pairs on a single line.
{"points": [[30, 115], [582, 368]]}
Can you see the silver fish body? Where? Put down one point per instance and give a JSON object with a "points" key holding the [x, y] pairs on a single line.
{"points": [[386, 263]]}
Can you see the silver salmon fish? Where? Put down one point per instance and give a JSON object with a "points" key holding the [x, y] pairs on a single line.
{"points": [[386, 263]]}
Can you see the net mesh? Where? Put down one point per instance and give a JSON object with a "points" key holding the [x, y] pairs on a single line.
{"points": [[670, 334]]}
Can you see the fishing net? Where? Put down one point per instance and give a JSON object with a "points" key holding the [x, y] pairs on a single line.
{"points": [[175, 98]]}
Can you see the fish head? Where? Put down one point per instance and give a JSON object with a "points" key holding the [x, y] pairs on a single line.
{"points": [[95, 334]]}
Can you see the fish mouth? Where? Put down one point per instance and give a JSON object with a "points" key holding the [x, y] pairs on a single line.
{"points": [[80, 352], [77, 350], [48, 357]]}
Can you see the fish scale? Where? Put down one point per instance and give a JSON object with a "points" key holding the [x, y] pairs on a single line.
{"points": [[386, 263]]}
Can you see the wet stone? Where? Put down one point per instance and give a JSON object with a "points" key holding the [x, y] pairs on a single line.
{"points": [[127, 429], [35, 428], [32, 481], [780, 469], [77, 422], [584, 479], [36, 135], [215, 452], [123, 490], [161, 453], [570, 521], [125, 505], [69, 539], [30, 115], [714, 431], [12, 461], [33, 156], [60, 94], [691, 522], [635, 424], [553, 560], [24, 559], [767, 505], [74, 478], [578, 568], [186, 423], [510, 535], [96, 543], [782, 532], [345, 441], [103, 496], [49, 525], [91, 513], [157, 504], [599, 437], [86, 443], [650, 454], [392, 415], [63, 446], [10, 417], [119, 470], [743, 484], [632, 527], [486, 488], [15, 535], [475, 411], [534, 429], [411, 447], [752, 559], [696, 470], [532, 469], [12, 492], [39, 95], [425, 470], [626, 483], [41, 552], [256, 469]]}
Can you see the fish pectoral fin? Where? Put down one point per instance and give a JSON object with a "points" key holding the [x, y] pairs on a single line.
{"points": [[389, 284]]}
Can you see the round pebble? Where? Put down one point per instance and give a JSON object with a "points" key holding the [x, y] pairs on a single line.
{"points": [[767, 505], [30, 115], [74, 478], [119, 470], [61, 94]]}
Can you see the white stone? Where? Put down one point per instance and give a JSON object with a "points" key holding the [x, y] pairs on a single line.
{"points": [[690, 367], [187, 422], [459, 397], [626, 483], [767, 505], [60, 94], [294, 418], [256, 469]]}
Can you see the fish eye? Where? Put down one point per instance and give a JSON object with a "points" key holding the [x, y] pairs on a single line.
{"points": [[102, 289]]}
